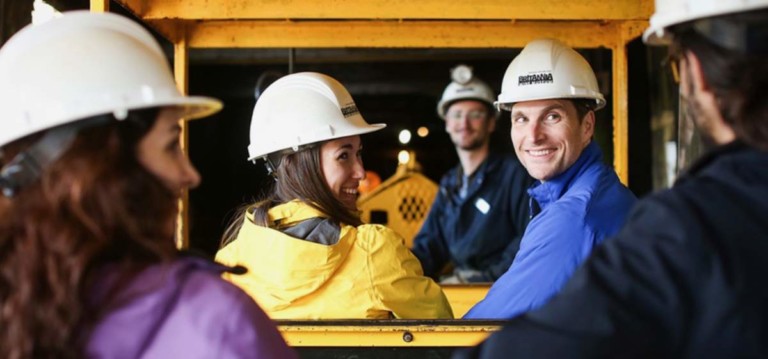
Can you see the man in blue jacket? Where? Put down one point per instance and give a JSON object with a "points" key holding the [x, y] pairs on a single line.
{"points": [[578, 201], [480, 213], [685, 278]]}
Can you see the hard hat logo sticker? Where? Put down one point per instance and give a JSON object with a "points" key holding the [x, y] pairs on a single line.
{"points": [[349, 110], [466, 89], [535, 79]]}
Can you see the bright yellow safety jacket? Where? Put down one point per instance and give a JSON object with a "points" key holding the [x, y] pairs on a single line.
{"points": [[368, 273]]}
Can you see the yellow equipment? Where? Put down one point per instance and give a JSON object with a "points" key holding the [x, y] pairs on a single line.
{"points": [[401, 202]]}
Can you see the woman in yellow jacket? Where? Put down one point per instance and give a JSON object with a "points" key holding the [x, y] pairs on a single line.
{"points": [[307, 252]]}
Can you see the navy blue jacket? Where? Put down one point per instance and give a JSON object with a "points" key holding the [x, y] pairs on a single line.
{"points": [[579, 209], [685, 277], [481, 232]]}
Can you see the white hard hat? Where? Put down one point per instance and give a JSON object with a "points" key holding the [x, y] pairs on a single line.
{"points": [[673, 12], [81, 65], [301, 109], [548, 69], [464, 87]]}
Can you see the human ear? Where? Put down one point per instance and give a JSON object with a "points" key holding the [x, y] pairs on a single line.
{"points": [[694, 71]]}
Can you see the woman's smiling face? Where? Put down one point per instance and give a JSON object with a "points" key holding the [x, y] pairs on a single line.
{"points": [[342, 166]]}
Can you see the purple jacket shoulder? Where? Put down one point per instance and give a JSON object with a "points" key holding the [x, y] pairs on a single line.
{"points": [[182, 309]]}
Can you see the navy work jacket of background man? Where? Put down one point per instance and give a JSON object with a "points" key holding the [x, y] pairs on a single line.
{"points": [[482, 231]]}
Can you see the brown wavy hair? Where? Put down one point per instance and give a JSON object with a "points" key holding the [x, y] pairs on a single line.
{"points": [[299, 176], [96, 205]]}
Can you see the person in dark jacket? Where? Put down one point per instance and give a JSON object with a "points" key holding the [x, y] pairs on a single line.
{"points": [[685, 277], [578, 200], [91, 169], [481, 209]]}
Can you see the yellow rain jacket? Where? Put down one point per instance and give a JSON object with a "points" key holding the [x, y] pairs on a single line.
{"points": [[368, 273]]}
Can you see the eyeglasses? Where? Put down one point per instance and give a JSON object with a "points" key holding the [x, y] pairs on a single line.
{"points": [[472, 115]]}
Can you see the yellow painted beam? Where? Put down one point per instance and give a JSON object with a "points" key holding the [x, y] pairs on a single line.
{"points": [[392, 9], [368, 333], [620, 110], [100, 5], [173, 31], [626, 32], [464, 296], [426, 34], [181, 73]]}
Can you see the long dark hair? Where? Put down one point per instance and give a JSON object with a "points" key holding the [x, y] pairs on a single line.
{"points": [[299, 177], [738, 79], [95, 205]]}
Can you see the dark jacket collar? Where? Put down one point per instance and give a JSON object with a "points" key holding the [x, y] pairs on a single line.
{"points": [[710, 157]]}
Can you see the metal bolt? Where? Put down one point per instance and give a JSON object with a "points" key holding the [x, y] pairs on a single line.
{"points": [[407, 337]]}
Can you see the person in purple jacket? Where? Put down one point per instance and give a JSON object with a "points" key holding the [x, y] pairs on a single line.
{"points": [[90, 172]]}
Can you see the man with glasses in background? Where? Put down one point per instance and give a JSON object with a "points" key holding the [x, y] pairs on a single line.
{"points": [[481, 210]]}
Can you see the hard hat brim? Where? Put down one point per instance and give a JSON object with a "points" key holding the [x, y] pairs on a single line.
{"points": [[194, 107]]}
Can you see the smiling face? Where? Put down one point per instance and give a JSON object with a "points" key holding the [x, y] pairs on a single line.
{"points": [[342, 166], [470, 124], [160, 153], [548, 136]]}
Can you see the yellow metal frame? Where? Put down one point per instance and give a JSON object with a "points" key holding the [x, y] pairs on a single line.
{"points": [[463, 297], [100, 5], [400, 24], [386, 333], [208, 10], [181, 71]]}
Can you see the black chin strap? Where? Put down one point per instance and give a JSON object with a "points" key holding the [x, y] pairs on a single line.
{"points": [[27, 166], [271, 162]]}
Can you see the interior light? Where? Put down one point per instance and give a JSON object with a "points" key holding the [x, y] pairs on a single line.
{"points": [[404, 137], [422, 131], [403, 157]]}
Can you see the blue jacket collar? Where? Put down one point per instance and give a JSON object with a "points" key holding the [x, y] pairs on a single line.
{"points": [[550, 191]]}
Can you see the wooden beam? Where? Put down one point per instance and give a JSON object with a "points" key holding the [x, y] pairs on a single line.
{"points": [[426, 34], [392, 9]]}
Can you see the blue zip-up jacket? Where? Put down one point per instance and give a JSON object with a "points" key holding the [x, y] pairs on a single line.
{"points": [[482, 231], [579, 208]]}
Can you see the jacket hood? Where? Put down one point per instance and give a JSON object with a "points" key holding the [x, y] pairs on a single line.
{"points": [[291, 268]]}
